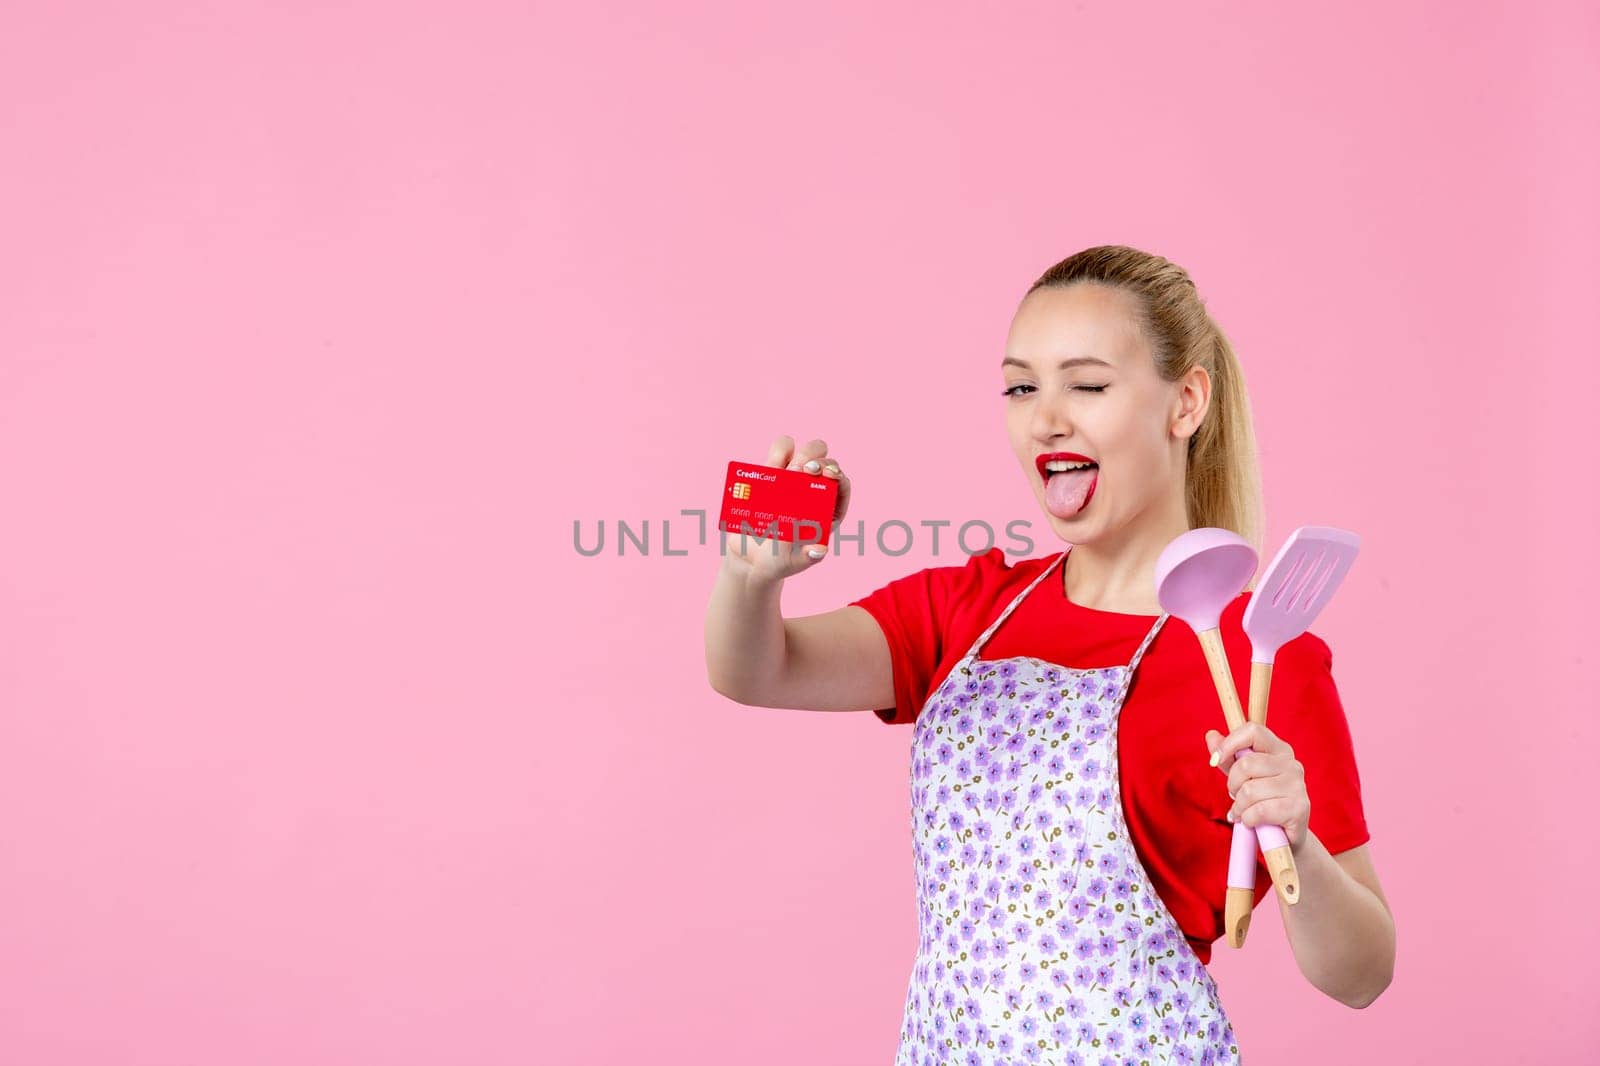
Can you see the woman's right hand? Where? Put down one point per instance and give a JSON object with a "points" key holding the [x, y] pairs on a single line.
{"points": [[771, 559]]}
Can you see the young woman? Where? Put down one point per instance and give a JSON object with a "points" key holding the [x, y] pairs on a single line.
{"points": [[1071, 828]]}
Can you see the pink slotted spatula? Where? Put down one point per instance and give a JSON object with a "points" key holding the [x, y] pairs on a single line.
{"points": [[1297, 585]]}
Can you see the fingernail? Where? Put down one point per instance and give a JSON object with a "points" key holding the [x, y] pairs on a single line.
{"points": [[816, 553], [1216, 757], [813, 466], [1230, 816]]}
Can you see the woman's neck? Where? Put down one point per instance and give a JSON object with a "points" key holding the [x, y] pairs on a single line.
{"points": [[1119, 575]]}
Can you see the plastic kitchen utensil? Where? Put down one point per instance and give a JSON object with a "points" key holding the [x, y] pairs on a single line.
{"points": [[1197, 575], [1297, 585]]}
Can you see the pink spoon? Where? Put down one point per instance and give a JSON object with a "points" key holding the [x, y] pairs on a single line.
{"points": [[1298, 583], [1197, 575]]}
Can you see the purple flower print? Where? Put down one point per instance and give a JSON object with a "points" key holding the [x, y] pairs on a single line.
{"points": [[1051, 700], [1082, 976], [1013, 716], [988, 686], [1078, 907], [1169, 1028], [1008, 669], [1183, 1056], [1107, 945], [1121, 888], [1085, 797], [1130, 931], [1091, 770], [1152, 995], [1084, 949], [1075, 750], [1104, 915], [1113, 1038], [1097, 888], [1021, 932], [1104, 973], [1091, 710], [1027, 971]]}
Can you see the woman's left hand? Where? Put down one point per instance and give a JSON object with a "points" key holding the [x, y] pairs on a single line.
{"points": [[1268, 784]]}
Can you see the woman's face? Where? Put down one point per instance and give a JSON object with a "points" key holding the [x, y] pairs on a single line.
{"points": [[1081, 381]]}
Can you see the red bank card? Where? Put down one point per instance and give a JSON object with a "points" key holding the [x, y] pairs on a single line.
{"points": [[787, 505]]}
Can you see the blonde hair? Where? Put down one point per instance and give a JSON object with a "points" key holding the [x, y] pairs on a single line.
{"points": [[1222, 476]]}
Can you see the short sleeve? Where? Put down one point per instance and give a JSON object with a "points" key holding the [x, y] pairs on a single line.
{"points": [[1313, 722], [913, 612]]}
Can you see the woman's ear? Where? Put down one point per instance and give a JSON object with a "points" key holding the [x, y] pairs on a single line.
{"points": [[1194, 400]]}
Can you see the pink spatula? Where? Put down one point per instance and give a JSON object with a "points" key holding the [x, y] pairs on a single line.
{"points": [[1299, 582], [1197, 575]]}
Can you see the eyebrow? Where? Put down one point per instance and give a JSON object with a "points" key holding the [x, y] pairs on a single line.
{"points": [[1079, 360]]}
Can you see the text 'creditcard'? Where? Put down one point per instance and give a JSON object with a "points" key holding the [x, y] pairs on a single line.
{"points": [[770, 501]]}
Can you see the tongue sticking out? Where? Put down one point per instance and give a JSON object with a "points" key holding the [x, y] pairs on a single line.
{"points": [[1067, 492]]}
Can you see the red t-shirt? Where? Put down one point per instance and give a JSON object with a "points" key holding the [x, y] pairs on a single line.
{"points": [[1175, 802]]}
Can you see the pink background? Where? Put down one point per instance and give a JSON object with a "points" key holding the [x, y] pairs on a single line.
{"points": [[320, 742]]}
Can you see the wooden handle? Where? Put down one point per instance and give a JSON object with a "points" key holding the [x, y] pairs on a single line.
{"points": [[1260, 685], [1280, 861], [1240, 903], [1280, 864], [1211, 641]]}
